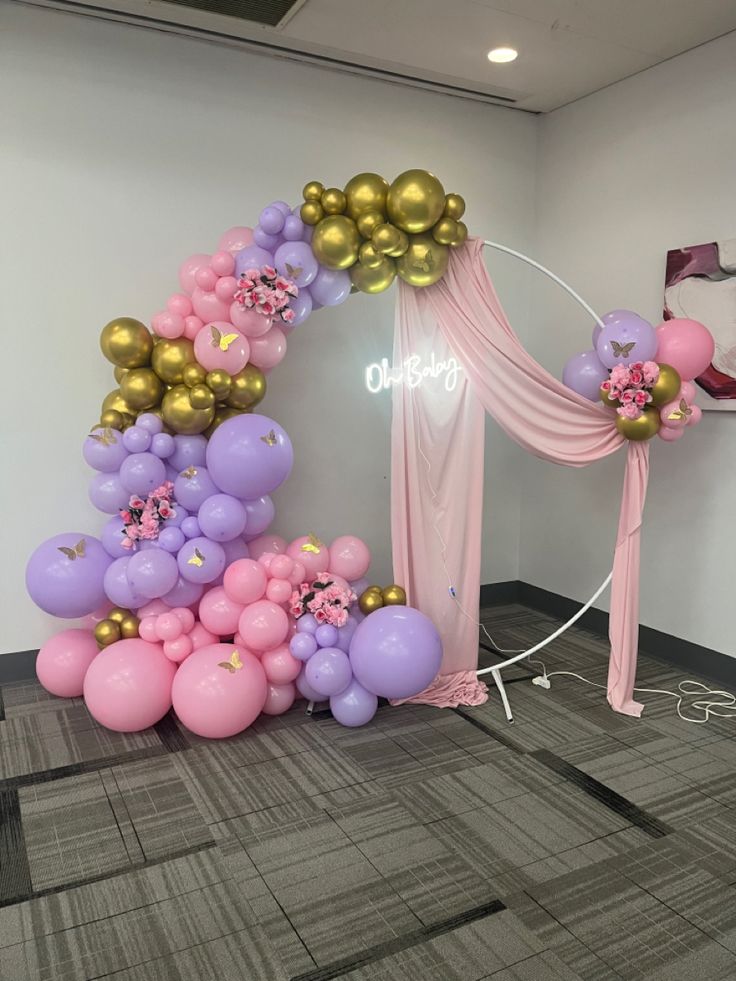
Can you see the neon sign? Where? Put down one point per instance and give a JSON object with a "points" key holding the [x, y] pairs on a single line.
{"points": [[380, 376]]}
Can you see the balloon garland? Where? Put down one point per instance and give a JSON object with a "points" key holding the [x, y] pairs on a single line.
{"points": [[189, 599]]}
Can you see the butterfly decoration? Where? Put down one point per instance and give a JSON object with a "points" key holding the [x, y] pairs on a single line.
{"points": [[218, 339], [74, 553], [293, 271], [190, 472], [622, 350], [426, 263], [233, 664], [196, 559], [681, 412], [106, 437], [314, 545], [270, 438]]}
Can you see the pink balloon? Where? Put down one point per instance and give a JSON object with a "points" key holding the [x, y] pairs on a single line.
{"points": [[672, 416], [266, 559], [266, 543], [185, 616], [263, 625], [313, 562], [179, 303], [208, 307], [206, 278], [179, 649], [147, 629], [169, 325], [349, 557], [268, 350], [696, 414], [200, 636], [245, 581], [280, 665], [92, 619], [249, 321], [168, 626], [192, 326], [282, 566], [687, 391], [188, 270], [214, 701], [278, 590], [670, 435], [220, 345], [128, 685], [219, 613], [687, 345], [153, 608], [235, 239], [279, 699], [223, 263], [225, 288], [63, 661], [297, 576]]}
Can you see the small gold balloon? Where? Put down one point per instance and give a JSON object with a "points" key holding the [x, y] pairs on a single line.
{"points": [[667, 386], [313, 191], [129, 626], [201, 397], [141, 388], [248, 388], [366, 192], [118, 373], [415, 201], [607, 400], [374, 280], [311, 212], [369, 256], [454, 206], [462, 235], [401, 248], [220, 382], [333, 201], [369, 601], [170, 357], [368, 221], [112, 419], [126, 342], [118, 614], [393, 595], [424, 262], [445, 231], [336, 242], [193, 374], [180, 414], [107, 632], [114, 400], [386, 237], [128, 420], [222, 414], [638, 430]]}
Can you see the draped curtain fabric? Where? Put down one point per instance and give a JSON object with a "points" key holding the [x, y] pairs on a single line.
{"points": [[437, 466]]}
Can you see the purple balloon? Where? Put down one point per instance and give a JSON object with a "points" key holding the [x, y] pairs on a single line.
{"points": [[201, 560], [252, 257], [260, 513], [189, 451], [596, 334], [171, 539], [328, 671], [184, 593], [301, 306], [190, 527], [178, 517], [360, 586], [396, 652], [293, 228], [302, 646], [151, 422], [345, 634], [306, 624], [271, 220], [118, 589], [234, 550], [264, 240], [107, 493], [113, 538], [152, 573], [141, 473], [162, 445], [64, 575], [584, 373], [355, 706], [626, 337], [193, 486], [249, 456], [136, 439], [222, 517], [330, 287], [308, 233], [283, 207], [326, 635], [306, 690], [299, 258], [104, 450]]}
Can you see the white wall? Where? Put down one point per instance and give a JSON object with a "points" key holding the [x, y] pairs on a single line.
{"points": [[624, 175], [122, 151]]}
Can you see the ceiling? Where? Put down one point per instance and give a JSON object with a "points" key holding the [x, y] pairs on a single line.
{"points": [[567, 48]]}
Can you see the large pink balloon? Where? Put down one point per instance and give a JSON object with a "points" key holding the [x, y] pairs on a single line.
{"points": [[687, 345], [266, 543], [235, 239], [63, 661], [279, 699], [280, 665], [314, 558], [218, 613], [349, 557], [219, 345], [128, 685], [263, 625], [216, 701], [245, 581]]}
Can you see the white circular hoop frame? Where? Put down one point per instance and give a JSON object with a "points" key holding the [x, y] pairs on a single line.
{"points": [[603, 586]]}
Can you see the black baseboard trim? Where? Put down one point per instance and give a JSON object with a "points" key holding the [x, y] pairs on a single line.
{"points": [[499, 593]]}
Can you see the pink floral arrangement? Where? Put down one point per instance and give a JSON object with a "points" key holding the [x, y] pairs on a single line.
{"points": [[324, 599], [143, 519], [631, 386], [266, 292]]}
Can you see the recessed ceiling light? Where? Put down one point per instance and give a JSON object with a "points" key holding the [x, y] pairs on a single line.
{"points": [[502, 55]]}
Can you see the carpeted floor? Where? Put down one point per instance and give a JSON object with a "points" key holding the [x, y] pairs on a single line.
{"points": [[575, 844]]}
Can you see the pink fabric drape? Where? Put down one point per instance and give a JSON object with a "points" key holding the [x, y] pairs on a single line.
{"points": [[437, 466]]}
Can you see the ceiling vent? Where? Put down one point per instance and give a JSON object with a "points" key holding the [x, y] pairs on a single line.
{"points": [[271, 13]]}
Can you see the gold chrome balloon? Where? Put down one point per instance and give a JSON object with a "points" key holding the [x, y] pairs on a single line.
{"points": [[445, 231], [129, 626], [607, 400], [376, 279], [454, 206], [313, 191], [667, 386], [201, 397], [220, 382], [193, 374], [424, 262], [248, 388], [646, 426], [107, 632], [370, 600], [128, 420], [415, 201], [222, 414], [333, 201], [369, 256], [141, 388], [401, 248], [336, 241], [311, 212], [393, 595], [170, 357], [118, 614], [368, 221], [118, 373], [180, 414], [366, 192], [462, 235], [111, 418], [114, 400], [126, 342], [386, 237]]}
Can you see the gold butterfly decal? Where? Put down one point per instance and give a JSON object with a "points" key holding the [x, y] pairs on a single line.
{"points": [[106, 437], [76, 552], [293, 271], [218, 339], [190, 472], [234, 664], [682, 412], [313, 545], [270, 438], [196, 559], [622, 350], [425, 264]]}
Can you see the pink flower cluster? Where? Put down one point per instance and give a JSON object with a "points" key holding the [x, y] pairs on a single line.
{"points": [[143, 519], [631, 386], [266, 292], [325, 600]]}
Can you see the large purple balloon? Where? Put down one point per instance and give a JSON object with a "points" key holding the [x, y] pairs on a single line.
{"points": [[201, 560], [184, 593], [355, 706], [152, 573], [118, 589], [107, 493], [584, 373], [396, 652], [249, 455], [252, 257], [193, 486], [190, 451], [113, 538], [103, 450], [141, 473], [330, 287], [260, 513], [296, 261], [626, 337], [64, 575], [222, 517], [235, 549]]}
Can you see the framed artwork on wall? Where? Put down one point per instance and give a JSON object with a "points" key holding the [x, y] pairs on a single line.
{"points": [[700, 284]]}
